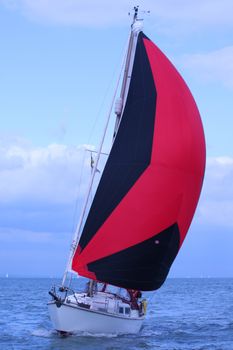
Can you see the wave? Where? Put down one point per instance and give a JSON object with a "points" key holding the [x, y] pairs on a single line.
{"points": [[43, 332]]}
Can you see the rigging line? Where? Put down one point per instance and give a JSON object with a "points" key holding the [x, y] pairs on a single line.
{"points": [[77, 205], [79, 226], [107, 90]]}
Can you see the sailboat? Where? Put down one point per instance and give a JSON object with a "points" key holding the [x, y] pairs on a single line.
{"points": [[144, 202]]}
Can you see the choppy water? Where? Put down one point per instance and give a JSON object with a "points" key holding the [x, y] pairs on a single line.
{"points": [[185, 314]]}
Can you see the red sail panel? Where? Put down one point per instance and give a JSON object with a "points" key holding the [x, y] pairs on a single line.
{"points": [[151, 220], [179, 144]]}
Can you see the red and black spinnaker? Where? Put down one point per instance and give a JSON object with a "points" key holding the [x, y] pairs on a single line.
{"points": [[151, 183]]}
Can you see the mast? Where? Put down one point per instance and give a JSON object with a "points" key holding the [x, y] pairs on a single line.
{"points": [[136, 27]]}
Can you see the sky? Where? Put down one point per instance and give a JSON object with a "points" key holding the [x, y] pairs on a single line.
{"points": [[59, 61]]}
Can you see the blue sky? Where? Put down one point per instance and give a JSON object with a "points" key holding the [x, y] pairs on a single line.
{"points": [[58, 64]]}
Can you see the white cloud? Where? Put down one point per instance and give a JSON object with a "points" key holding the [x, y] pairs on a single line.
{"points": [[43, 174], [69, 12], [105, 12], [216, 206], [215, 66], [198, 12]]}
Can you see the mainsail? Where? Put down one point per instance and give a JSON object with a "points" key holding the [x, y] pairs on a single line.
{"points": [[151, 183]]}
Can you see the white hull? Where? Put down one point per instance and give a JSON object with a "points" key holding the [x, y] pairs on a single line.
{"points": [[70, 318]]}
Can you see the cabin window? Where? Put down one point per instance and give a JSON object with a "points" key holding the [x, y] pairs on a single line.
{"points": [[121, 310], [127, 310]]}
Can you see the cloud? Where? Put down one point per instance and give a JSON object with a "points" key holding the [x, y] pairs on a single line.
{"points": [[43, 188], [216, 205], [215, 66], [199, 12], [42, 174], [104, 12], [68, 12]]}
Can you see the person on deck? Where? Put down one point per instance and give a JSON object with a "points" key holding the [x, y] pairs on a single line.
{"points": [[134, 296], [91, 288]]}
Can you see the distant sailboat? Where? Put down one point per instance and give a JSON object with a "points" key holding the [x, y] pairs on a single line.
{"points": [[145, 200]]}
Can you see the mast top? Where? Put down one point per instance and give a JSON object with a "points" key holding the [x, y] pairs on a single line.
{"points": [[135, 13], [137, 24]]}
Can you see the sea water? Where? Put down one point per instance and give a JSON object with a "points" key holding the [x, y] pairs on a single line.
{"points": [[185, 314]]}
